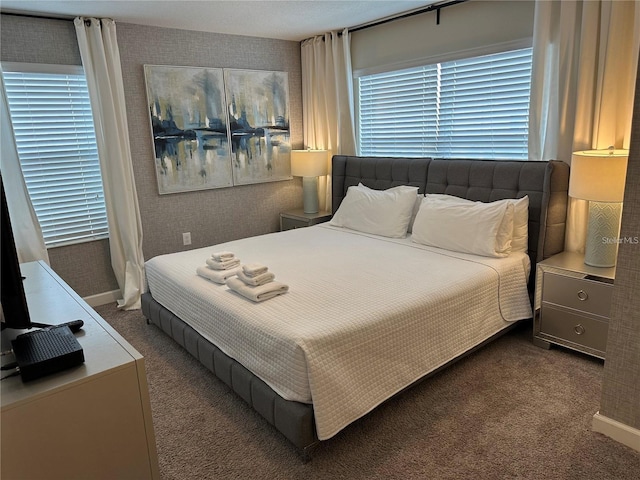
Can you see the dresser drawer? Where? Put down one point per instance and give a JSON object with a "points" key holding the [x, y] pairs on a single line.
{"points": [[575, 328], [579, 293]]}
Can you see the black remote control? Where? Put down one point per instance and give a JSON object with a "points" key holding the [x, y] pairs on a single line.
{"points": [[74, 325]]}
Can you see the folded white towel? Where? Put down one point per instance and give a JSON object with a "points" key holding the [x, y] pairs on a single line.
{"points": [[226, 265], [217, 276], [259, 293], [257, 280], [222, 256], [254, 269]]}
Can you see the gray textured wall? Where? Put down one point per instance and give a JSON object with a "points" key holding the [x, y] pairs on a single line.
{"points": [[212, 216], [218, 215], [621, 381]]}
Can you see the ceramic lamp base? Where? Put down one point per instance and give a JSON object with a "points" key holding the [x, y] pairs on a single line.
{"points": [[310, 194], [602, 234]]}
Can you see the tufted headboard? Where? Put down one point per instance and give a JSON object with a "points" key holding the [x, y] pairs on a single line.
{"points": [[546, 184]]}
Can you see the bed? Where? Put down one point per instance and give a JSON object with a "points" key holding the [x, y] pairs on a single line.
{"points": [[352, 331]]}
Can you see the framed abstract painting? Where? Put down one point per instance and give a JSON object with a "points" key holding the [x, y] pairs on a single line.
{"points": [[189, 124], [258, 109]]}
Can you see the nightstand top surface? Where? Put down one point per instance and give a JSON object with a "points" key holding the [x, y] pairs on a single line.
{"points": [[574, 262], [299, 213]]}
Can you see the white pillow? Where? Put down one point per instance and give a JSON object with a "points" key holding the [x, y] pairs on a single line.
{"points": [[472, 227], [520, 232], [381, 212], [416, 207]]}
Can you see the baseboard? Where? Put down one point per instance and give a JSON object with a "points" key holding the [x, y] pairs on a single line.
{"points": [[620, 432], [103, 298]]}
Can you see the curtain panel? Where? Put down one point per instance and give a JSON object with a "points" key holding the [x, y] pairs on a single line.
{"points": [[585, 56], [101, 61], [327, 101], [24, 222]]}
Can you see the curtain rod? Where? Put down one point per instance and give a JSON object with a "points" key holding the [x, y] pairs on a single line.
{"points": [[429, 8], [37, 15]]}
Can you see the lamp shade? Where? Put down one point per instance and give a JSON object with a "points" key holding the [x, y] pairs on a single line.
{"points": [[308, 163], [598, 175]]}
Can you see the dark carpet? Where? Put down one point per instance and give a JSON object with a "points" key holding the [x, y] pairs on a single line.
{"points": [[510, 410]]}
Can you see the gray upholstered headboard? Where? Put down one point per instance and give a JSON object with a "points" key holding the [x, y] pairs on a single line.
{"points": [[546, 184]]}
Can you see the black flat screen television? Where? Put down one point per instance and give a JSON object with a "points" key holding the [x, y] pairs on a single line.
{"points": [[15, 312]]}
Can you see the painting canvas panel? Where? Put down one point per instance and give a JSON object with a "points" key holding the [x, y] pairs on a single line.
{"points": [[258, 109], [189, 127]]}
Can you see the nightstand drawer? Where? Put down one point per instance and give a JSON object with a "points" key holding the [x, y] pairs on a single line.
{"points": [[291, 223], [574, 328], [579, 293]]}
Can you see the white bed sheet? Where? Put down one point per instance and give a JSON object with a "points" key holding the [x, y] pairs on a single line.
{"points": [[365, 316]]}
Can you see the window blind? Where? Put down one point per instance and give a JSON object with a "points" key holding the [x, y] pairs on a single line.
{"points": [[55, 138], [471, 108]]}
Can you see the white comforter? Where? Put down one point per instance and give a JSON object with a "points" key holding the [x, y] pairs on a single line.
{"points": [[365, 316]]}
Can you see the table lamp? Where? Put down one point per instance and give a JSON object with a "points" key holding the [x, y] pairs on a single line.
{"points": [[309, 164], [599, 177]]}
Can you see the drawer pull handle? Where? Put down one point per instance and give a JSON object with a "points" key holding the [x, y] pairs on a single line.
{"points": [[582, 295], [579, 329]]}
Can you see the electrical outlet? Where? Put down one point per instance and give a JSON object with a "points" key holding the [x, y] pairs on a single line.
{"points": [[186, 238]]}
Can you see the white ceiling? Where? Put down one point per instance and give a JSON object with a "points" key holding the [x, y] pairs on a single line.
{"points": [[282, 19]]}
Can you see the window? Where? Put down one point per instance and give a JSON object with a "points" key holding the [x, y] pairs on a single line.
{"points": [[55, 138], [471, 108]]}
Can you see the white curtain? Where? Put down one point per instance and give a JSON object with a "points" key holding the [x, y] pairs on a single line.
{"points": [[101, 61], [585, 56], [327, 101], [24, 222]]}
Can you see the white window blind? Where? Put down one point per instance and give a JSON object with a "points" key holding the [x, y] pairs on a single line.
{"points": [[55, 138], [471, 108]]}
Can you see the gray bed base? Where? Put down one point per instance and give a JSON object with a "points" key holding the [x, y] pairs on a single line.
{"points": [[293, 419], [546, 184]]}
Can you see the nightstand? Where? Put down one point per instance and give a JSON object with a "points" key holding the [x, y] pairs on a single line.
{"points": [[298, 219], [572, 304]]}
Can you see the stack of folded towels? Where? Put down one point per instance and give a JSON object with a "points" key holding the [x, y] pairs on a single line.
{"points": [[255, 282], [220, 267]]}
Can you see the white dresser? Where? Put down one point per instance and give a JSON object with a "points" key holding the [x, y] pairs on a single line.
{"points": [[91, 421]]}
